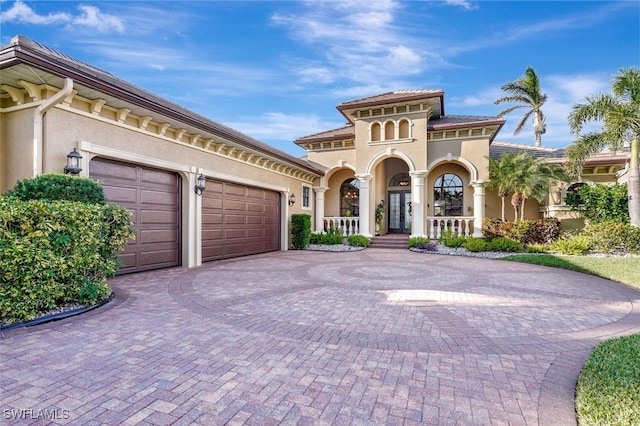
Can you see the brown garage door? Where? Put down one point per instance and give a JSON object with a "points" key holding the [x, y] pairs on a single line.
{"points": [[238, 220], [153, 197]]}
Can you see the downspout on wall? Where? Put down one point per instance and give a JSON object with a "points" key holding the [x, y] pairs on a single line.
{"points": [[38, 119]]}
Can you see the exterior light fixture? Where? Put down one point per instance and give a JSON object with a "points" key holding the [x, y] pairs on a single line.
{"points": [[292, 199], [73, 163], [200, 184]]}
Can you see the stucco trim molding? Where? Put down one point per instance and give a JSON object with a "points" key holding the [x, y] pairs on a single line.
{"points": [[117, 154], [454, 158], [388, 153]]}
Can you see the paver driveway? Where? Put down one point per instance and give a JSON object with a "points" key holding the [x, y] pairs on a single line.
{"points": [[371, 337]]}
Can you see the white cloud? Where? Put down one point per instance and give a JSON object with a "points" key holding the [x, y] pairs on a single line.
{"points": [[90, 17], [465, 4], [282, 126], [20, 12], [357, 42]]}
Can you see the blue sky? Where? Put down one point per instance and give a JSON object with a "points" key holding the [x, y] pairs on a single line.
{"points": [[276, 70]]}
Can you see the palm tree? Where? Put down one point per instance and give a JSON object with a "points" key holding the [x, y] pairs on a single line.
{"points": [[523, 175], [525, 92], [620, 116], [535, 177], [501, 175]]}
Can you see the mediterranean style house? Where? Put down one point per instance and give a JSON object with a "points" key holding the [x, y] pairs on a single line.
{"points": [[426, 170]]}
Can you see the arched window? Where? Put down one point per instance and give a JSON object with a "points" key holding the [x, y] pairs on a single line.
{"points": [[350, 197], [573, 192], [375, 131], [401, 179], [403, 129], [448, 195], [389, 131]]}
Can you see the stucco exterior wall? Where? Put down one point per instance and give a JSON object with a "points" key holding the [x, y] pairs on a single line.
{"points": [[66, 129], [16, 147]]}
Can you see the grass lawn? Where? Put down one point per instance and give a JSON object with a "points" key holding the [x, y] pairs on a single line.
{"points": [[608, 390], [622, 269]]}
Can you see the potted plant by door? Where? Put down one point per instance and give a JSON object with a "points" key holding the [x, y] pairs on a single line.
{"points": [[379, 216]]}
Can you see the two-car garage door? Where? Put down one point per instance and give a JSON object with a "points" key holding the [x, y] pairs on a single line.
{"points": [[237, 220]]}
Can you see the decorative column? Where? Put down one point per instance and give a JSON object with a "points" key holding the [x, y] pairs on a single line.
{"points": [[319, 213], [417, 203], [365, 208], [478, 206], [194, 225]]}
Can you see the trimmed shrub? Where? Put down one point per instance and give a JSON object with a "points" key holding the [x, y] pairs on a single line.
{"points": [[331, 237], [449, 239], [57, 187], [358, 240], [475, 244], [612, 237], [414, 241], [504, 244], [300, 230], [58, 252], [576, 245], [537, 248], [525, 231]]}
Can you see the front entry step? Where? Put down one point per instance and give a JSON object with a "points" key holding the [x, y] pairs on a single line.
{"points": [[390, 241]]}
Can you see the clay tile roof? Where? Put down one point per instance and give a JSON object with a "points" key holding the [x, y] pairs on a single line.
{"points": [[449, 121], [345, 132], [497, 148], [396, 96]]}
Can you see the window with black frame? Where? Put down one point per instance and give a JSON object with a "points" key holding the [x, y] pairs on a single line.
{"points": [[448, 195], [350, 198]]}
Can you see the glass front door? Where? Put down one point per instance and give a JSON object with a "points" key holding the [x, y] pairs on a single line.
{"points": [[400, 211]]}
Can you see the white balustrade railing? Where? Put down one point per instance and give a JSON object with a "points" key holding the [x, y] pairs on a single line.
{"points": [[459, 225], [348, 225]]}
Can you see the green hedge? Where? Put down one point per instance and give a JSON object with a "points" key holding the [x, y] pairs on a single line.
{"points": [[300, 230], [58, 252], [525, 231], [57, 187], [612, 237]]}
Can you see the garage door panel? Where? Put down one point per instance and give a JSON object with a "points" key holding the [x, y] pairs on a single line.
{"points": [[151, 259], [232, 189], [252, 207], [157, 236], [159, 178], [255, 193], [233, 221], [153, 197], [211, 203], [235, 205], [156, 217], [212, 219], [120, 195]]}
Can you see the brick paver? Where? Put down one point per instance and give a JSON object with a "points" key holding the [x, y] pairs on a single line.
{"points": [[372, 337]]}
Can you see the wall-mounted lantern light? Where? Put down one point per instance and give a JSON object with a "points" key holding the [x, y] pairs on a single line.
{"points": [[200, 184], [292, 199], [73, 163]]}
